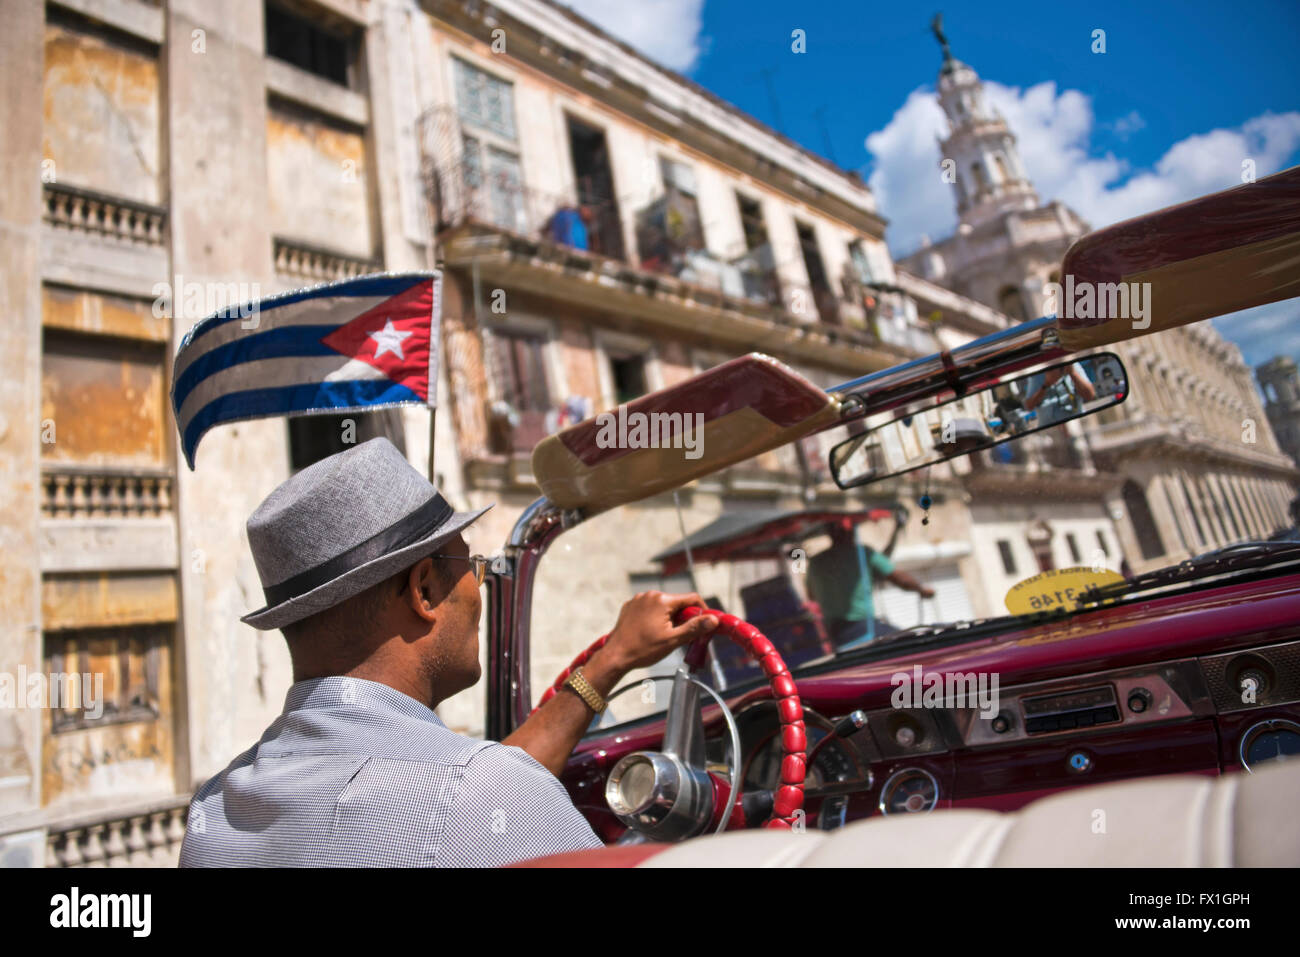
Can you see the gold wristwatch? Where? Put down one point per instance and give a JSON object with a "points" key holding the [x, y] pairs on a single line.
{"points": [[584, 690]]}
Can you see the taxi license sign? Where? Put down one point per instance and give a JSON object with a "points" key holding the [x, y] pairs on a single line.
{"points": [[1057, 588]]}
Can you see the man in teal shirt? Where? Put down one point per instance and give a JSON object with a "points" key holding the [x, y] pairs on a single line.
{"points": [[841, 581]]}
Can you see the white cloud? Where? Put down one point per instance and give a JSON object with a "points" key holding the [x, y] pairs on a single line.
{"points": [[1054, 130], [1126, 126], [667, 31], [1265, 331]]}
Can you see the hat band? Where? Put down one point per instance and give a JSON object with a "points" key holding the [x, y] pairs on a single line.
{"points": [[407, 530]]}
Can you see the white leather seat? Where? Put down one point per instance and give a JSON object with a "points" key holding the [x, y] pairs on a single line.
{"points": [[1237, 820]]}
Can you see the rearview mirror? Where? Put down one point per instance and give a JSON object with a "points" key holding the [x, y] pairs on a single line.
{"points": [[980, 420]]}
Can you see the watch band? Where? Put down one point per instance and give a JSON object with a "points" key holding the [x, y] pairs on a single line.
{"points": [[578, 682]]}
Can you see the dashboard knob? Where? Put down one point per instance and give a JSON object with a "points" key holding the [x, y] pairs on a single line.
{"points": [[1001, 724], [1252, 682], [1139, 699]]}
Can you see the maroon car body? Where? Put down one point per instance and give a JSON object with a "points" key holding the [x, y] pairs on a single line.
{"points": [[1206, 637]]}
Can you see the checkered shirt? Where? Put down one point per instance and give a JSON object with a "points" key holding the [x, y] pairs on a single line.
{"points": [[355, 773]]}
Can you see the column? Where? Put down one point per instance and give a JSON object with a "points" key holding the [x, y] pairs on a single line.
{"points": [[22, 44], [216, 121], [1252, 514], [1178, 519]]}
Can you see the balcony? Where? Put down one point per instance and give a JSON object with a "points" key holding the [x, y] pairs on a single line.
{"points": [[512, 236]]}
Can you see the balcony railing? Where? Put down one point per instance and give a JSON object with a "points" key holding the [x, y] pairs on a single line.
{"points": [[147, 836], [83, 492], [82, 210], [302, 261]]}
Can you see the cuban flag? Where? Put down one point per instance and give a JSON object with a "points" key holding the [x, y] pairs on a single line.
{"points": [[351, 346]]}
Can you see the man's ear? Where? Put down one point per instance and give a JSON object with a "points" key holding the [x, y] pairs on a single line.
{"points": [[423, 589]]}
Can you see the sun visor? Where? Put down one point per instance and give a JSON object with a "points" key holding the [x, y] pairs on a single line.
{"points": [[663, 440], [1214, 255]]}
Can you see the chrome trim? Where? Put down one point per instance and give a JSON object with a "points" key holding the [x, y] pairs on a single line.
{"points": [[732, 728], [999, 353], [540, 512], [882, 804], [1250, 734]]}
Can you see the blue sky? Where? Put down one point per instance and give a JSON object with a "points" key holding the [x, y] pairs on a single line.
{"points": [[1184, 92]]}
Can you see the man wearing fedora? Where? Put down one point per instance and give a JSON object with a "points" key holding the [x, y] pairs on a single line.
{"points": [[366, 573]]}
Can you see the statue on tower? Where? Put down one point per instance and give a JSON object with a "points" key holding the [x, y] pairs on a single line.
{"points": [[937, 26]]}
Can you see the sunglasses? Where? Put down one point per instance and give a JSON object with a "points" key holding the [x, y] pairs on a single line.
{"points": [[480, 563]]}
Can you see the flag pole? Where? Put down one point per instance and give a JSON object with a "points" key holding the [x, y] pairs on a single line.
{"points": [[437, 378]]}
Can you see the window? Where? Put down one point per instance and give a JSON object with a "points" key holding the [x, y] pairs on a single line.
{"points": [[315, 437], [812, 257], [594, 183], [827, 307], [981, 177], [495, 174], [298, 41], [486, 107], [1008, 557], [1072, 544], [751, 221], [131, 662], [629, 375], [519, 369], [861, 262], [1102, 543], [483, 100]]}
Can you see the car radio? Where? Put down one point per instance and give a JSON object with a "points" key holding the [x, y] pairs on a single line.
{"points": [[1085, 708]]}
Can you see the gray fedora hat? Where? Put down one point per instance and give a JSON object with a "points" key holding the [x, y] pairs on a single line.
{"points": [[342, 525]]}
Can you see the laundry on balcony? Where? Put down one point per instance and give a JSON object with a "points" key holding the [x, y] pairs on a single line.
{"points": [[701, 268]]}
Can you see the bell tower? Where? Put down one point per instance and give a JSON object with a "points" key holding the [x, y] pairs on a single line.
{"points": [[990, 177]]}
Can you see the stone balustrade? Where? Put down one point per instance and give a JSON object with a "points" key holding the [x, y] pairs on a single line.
{"points": [[147, 837], [81, 493], [306, 262], [81, 210]]}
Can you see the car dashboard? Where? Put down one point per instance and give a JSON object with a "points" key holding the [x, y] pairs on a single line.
{"points": [[953, 746]]}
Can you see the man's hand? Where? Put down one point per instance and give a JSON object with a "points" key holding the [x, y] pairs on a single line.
{"points": [[926, 591], [645, 633]]}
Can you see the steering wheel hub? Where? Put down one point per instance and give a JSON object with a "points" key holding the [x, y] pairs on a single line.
{"points": [[659, 795]]}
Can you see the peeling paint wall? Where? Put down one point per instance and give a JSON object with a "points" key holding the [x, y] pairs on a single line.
{"points": [[101, 111], [317, 181], [104, 402], [21, 52]]}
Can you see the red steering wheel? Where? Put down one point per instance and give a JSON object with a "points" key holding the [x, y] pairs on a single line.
{"points": [[789, 796]]}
